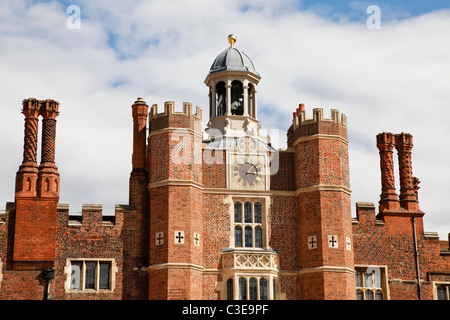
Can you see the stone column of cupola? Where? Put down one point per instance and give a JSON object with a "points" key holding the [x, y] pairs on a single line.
{"points": [[228, 100], [255, 104], [213, 101], [246, 106]]}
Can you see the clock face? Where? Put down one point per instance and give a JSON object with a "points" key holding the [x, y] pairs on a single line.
{"points": [[248, 172], [247, 144]]}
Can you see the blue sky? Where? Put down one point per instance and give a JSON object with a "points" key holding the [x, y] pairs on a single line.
{"points": [[404, 8], [320, 53]]}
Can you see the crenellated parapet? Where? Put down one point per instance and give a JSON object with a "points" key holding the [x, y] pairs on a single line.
{"points": [[92, 216], [302, 126], [172, 119], [300, 118], [169, 109]]}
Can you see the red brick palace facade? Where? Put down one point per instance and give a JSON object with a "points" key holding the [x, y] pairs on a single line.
{"points": [[220, 214]]}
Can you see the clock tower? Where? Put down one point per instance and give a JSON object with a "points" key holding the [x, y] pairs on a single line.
{"points": [[233, 123], [249, 265]]}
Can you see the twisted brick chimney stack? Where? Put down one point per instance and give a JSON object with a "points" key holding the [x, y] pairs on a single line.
{"points": [[37, 190], [389, 200]]}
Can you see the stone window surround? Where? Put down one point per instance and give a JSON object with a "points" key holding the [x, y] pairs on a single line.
{"points": [[384, 278], [265, 203], [436, 284], [113, 271]]}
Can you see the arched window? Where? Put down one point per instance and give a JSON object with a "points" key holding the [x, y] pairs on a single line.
{"points": [[237, 98], [221, 98], [248, 212], [359, 295], [248, 237], [262, 289], [378, 295], [242, 288], [253, 290], [230, 293], [258, 237], [274, 288], [238, 236], [28, 184], [237, 212], [251, 287], [441, 292], [257, 213]]}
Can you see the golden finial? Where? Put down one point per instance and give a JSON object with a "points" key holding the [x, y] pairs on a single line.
{"points": [[231, 40]]}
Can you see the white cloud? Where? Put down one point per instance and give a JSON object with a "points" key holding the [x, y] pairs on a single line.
{"points": [[393, 79]]}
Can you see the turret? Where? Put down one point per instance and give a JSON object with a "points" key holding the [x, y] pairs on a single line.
{"points": [[323, 204], [176, 199]]}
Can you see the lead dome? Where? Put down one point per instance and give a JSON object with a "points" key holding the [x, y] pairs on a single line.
{"points": [[232, 59]]}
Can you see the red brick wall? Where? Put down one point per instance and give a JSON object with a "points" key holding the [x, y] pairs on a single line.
{"points": [[214, 173], [283, 178], [34, 235], [388, 240]]}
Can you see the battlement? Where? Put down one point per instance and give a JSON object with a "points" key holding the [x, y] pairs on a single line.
{"points": [[169, 109], [366, 212], [92, 215], [299, 117], [303, 127]]}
